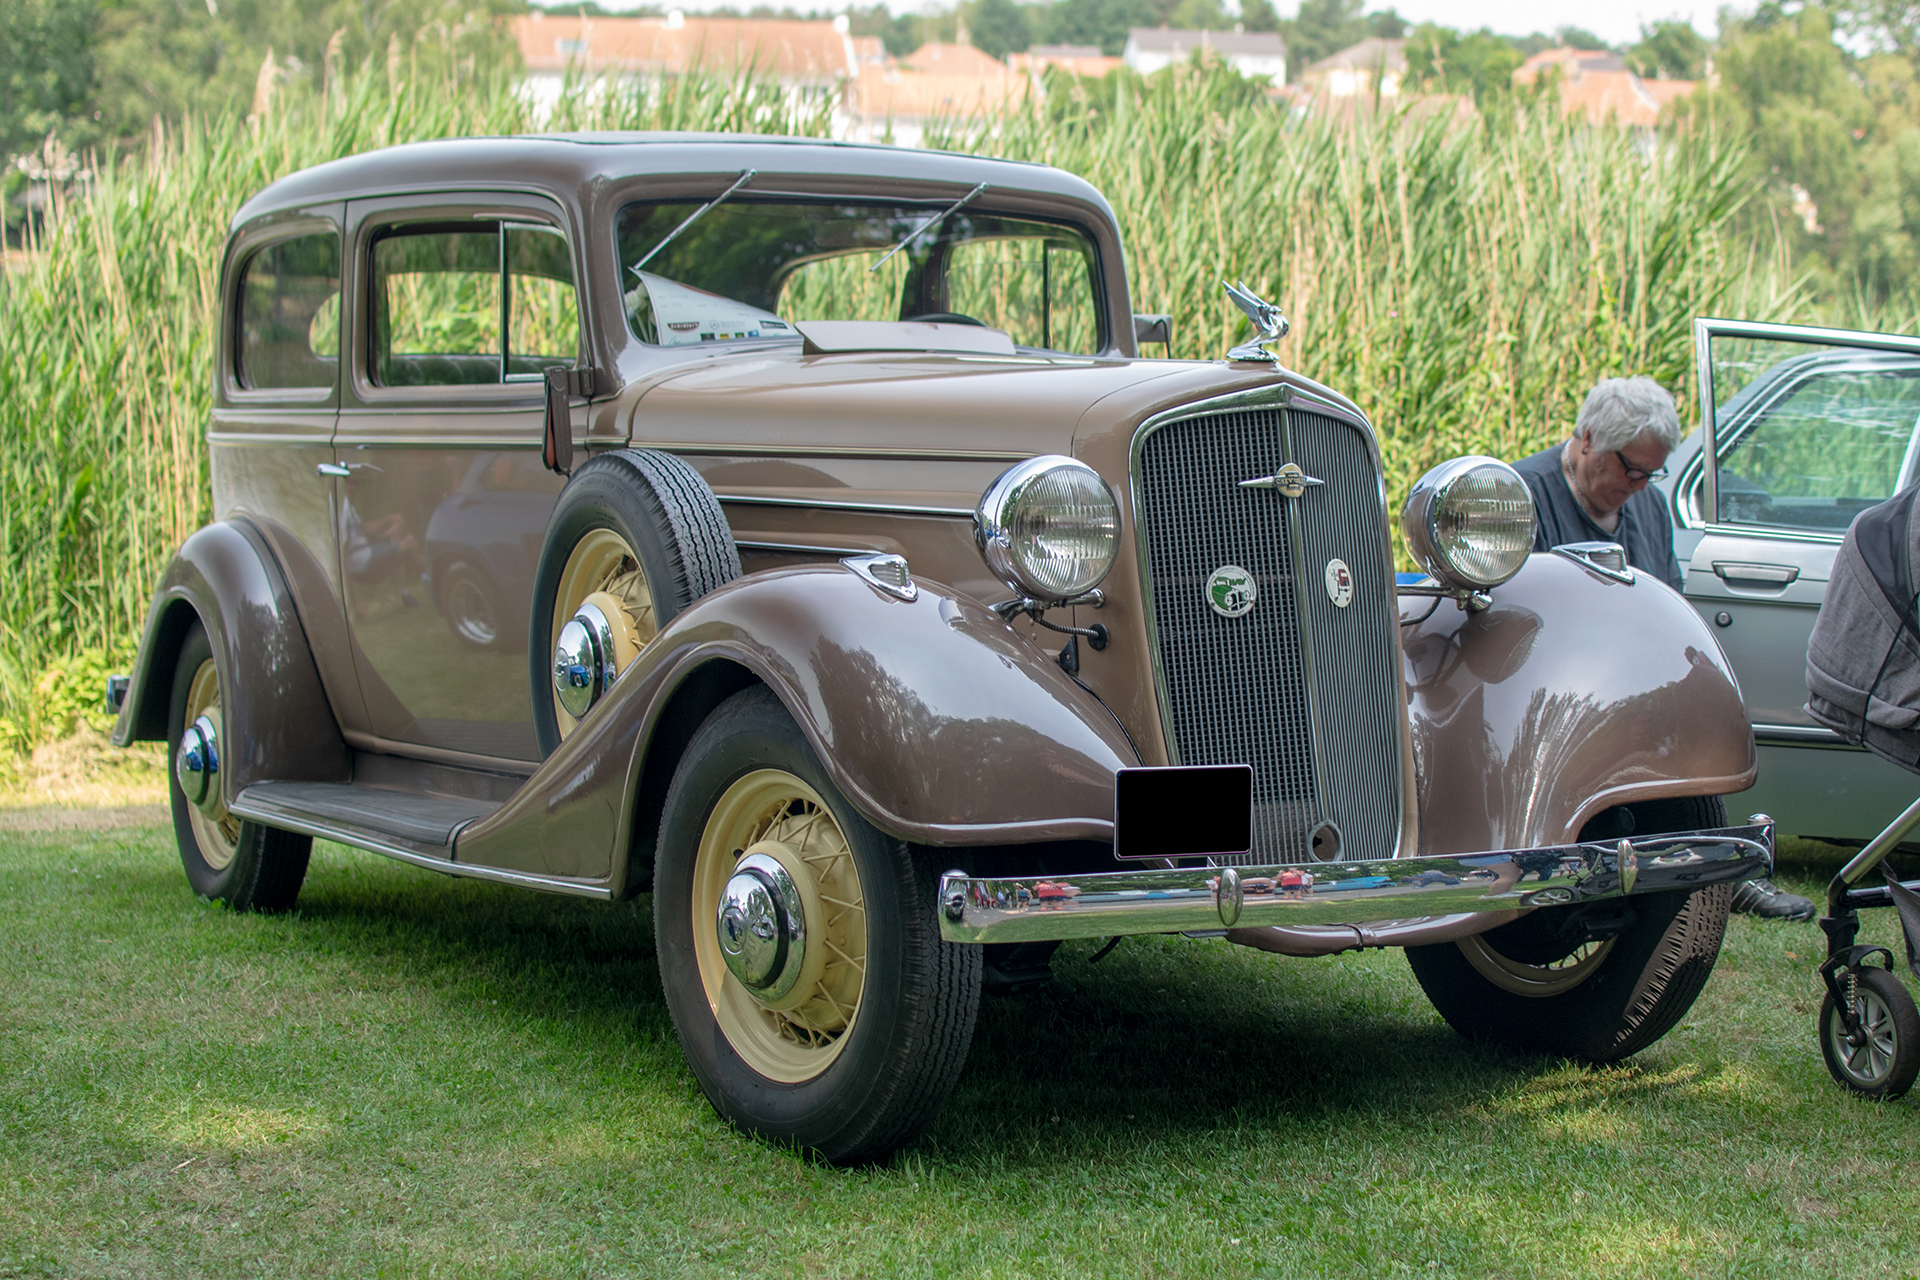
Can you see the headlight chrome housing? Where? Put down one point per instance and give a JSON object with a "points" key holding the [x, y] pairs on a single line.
{"points": [[1049, 528], [1469, 522]]}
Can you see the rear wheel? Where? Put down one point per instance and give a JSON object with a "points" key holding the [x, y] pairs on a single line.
{"points": [[1880, 1060], [248, 866], [800, 948], [1546, 983]]}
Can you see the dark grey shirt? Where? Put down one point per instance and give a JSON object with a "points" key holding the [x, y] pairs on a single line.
{"points": [[1645, 529]]}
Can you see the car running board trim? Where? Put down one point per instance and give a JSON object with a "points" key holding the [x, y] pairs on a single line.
{"points": [[283, 818]]}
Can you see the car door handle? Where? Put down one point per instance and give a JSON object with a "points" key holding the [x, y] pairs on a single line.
{"points": [[335, 469], [1740, 573]]}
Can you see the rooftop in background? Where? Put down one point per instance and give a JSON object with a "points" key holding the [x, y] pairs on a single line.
{"points": [[1599, 85], [795, 52], [1074, 59], [1373, 68], [1251, 53]]}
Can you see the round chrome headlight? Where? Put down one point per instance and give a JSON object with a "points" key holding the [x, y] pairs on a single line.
{"points": [[1469, 522], [1049, 528]]}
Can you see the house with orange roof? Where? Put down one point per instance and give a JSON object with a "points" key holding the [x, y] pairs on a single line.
{"points": [[898, 100], [819, 56], [1074, 59], [1600, 86]]}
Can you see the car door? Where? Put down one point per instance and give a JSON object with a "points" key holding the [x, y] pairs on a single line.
{"points": [[461, 306], [1802, 430], [271, 435]]}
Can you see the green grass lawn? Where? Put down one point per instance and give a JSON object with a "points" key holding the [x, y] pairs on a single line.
{"points": [[420, 1076]]}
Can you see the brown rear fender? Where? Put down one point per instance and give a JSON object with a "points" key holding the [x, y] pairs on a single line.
{"points": [[278, 724], [1570, 694], [939, 722]]}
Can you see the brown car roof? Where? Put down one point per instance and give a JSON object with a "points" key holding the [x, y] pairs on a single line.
{"points": [[569, 164]]}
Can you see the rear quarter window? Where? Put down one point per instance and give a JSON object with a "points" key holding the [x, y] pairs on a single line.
{"points": [[289, 321]]}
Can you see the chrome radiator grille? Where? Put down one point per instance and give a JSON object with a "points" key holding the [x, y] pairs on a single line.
{"points": [[1306, 692]]}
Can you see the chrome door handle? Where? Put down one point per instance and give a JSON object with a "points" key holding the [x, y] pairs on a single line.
{"points": [[333, 469], [1745, 574]]}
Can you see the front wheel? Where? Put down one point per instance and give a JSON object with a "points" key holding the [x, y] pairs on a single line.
{"points": [[1880, 1060], [248, 866], [800, 948], [1546, 983]]}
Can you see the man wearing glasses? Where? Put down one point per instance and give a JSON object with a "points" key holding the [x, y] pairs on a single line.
{"points": [[1592, 487]]}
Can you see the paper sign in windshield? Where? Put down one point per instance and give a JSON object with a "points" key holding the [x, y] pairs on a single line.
{"points": [[685, 315]]}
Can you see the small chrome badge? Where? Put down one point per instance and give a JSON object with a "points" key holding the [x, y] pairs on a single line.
{"points": [[1339, 583], [1290, 480], [1231, 591]]}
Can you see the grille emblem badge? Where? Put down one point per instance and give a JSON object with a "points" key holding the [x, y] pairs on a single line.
{"points": [[1339, 583], [1231, 591], [1290, 480]]}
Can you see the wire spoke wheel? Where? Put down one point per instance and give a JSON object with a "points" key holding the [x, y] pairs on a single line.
{"points": [[217, 831], [775, 814], [604, 569], [1523, 979]]}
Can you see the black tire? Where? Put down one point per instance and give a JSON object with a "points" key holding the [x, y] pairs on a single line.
{"points": [[887, 1074], [670, 520], [1883, 1067], [248, 866], [1622, 998]]}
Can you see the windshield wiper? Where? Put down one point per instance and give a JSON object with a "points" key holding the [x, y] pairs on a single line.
{"points": [[933, 221], [695, 216]]}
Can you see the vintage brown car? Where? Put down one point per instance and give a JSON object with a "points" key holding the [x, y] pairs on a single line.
{"points": [[791, 531]]}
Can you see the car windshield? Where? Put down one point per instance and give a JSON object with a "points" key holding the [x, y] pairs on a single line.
{"points": [[753, 268]]}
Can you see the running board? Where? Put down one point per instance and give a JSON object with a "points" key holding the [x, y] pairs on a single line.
{"points": [[406, 826]]}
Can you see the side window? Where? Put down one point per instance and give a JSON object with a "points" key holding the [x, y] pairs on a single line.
{"points": [[477, 304], [1823, 447], [289, 330], [1039, 291], [543, 317]]}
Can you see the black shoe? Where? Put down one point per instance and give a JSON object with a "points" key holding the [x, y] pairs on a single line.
{"points": [[1761, 898]]}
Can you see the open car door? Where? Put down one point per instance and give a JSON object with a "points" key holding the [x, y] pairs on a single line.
{"points": [[1801, 430]]}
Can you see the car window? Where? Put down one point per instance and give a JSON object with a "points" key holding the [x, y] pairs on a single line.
{"points": [[543, 318], [441, 294], [289, 330], [752, 268], [1810, 435]]}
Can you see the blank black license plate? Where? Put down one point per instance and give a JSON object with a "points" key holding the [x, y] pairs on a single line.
{"points": [[1183, 812]]}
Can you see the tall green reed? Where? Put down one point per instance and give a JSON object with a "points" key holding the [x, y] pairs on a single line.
{"points": [[1465, 283]]}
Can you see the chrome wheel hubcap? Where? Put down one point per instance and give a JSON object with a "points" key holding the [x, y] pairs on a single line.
{"points": [[761, 925], [197, 764], [584, 661]]}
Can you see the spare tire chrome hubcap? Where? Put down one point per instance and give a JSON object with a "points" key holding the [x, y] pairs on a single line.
{"points": [[585, 664]]}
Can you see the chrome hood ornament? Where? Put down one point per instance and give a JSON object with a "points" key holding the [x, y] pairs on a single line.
{"points": [[1266, 318], [1290, 480]]}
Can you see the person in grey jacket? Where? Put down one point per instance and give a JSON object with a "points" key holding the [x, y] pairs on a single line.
{"points": [[1593, 487]]}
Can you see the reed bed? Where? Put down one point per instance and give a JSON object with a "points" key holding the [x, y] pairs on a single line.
{"points": [[1463, 282]]}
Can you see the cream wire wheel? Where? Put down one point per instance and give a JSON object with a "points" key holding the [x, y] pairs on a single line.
{"points": [[1535, 980], [604, 570], [796, 1037], [216, 830]]}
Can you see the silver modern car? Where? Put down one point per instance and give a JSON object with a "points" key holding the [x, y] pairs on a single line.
{"points": [[1805, 428]]}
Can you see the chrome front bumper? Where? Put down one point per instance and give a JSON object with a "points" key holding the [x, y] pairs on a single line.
{"points": [[1112, 903]]}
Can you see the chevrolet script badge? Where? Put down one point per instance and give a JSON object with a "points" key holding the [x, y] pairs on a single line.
{"points": [[1290, 480], [1231, 591]]}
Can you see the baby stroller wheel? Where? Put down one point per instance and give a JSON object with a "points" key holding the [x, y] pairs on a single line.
{"points": [[1883, 1062]]}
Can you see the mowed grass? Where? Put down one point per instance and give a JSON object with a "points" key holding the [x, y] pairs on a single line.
{"points": [[419, 1076]]}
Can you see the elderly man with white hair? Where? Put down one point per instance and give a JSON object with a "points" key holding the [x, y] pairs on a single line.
{"points": [[1593, 487]]}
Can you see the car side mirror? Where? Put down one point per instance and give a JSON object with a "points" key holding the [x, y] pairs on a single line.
{"points": [[562, 385], [1147, 328]]}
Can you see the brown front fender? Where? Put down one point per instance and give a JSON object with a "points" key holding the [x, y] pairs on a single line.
{"points": [[1570, 694], [936, 719], [278, 723]]}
